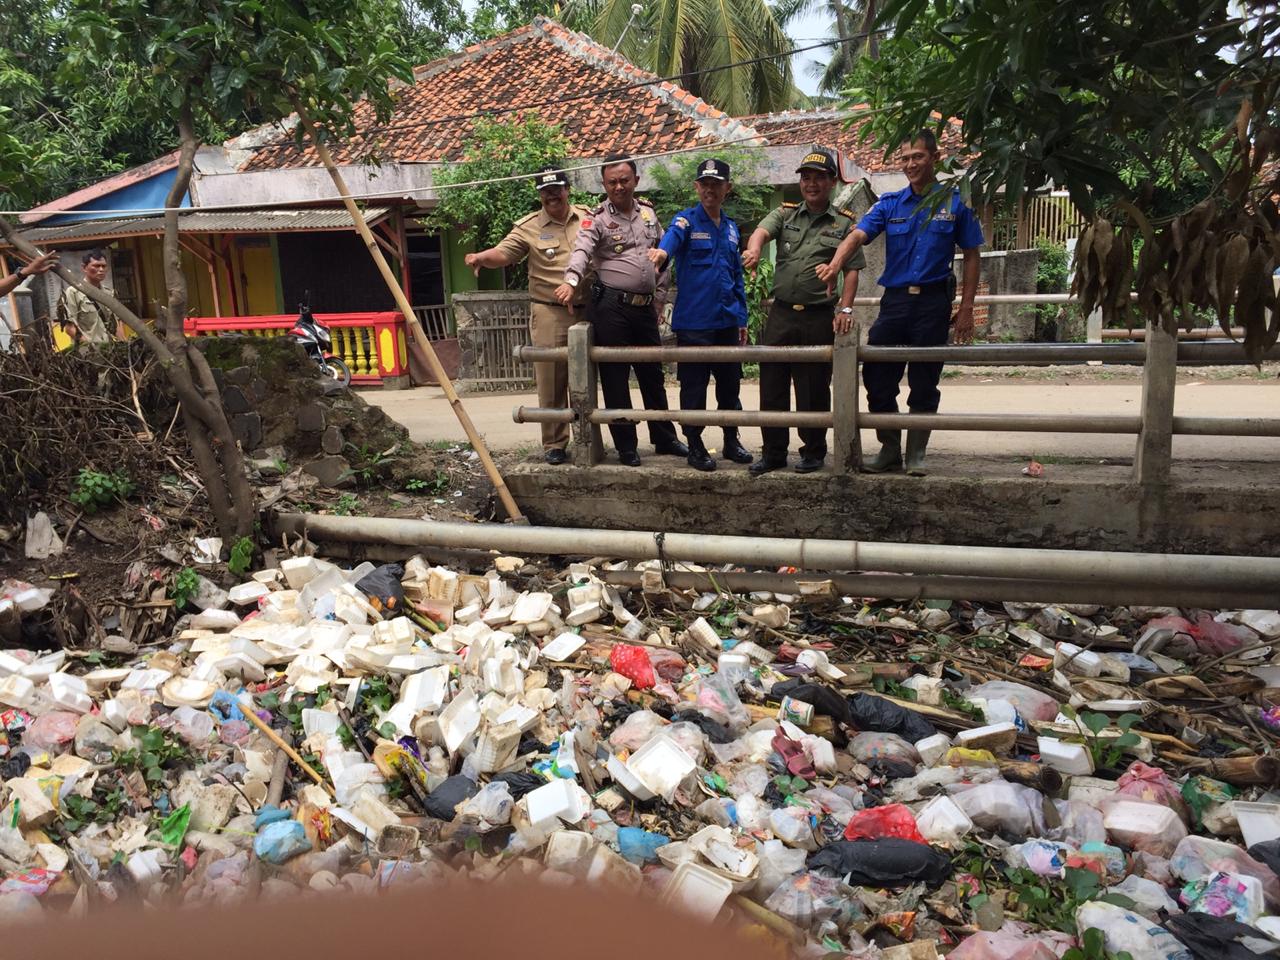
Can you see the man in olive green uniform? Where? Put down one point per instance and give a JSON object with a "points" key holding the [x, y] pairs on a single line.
{"points": [[84, 320], [546, 237], [804, 307]]}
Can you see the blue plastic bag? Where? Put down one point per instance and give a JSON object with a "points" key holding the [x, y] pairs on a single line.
{"points": [[640, 846], [280, 841]]}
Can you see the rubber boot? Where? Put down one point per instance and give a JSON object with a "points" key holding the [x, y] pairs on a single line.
{"points": [[917, 441], [890, 455]]}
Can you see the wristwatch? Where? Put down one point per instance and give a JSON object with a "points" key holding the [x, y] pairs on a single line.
{"points": [[572, 279], [846, 310]]}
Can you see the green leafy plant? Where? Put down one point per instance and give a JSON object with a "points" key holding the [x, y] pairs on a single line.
{"points": [[437, 483], [375, 693], [368, 465], [156, 750], [1107, 750], [96, 491], [1052, 902], [759, 284], [185, 585], [1093, 946], [281, 465], [348, 505], [241, 556], [104, 806]]}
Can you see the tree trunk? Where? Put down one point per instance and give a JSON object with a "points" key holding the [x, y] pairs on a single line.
{"points": [[213, 444]]}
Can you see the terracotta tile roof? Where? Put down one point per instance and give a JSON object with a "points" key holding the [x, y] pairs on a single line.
{"points": [[830, 128], [538, 62]]}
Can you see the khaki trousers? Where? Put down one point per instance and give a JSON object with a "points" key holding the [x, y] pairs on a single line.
{"points": [[549, 327]]}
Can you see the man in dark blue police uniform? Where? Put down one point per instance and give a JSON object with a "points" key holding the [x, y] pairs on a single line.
{"points": [[920, 244], [711, 309]]}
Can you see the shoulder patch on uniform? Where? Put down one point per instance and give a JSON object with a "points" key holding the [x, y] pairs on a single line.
{"points": [[599, 208], [788, 205], [847, 212], [682, 222], [644, 202]]}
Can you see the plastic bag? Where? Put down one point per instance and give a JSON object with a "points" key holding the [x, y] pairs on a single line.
{"points": [[1222, 894], [717, 698], [886, 750], [1007, 808], [1013, 941], [1030, 703], [836, 806], [667, 664], [867, 712], [883, 863], [640, 846], [492, 804], [1151, 784], [442, 802], [635, 731], [633, 663], [1079, 823], [382, 586], [280, 840], [1213, 938], [752, 778], [778, 862], [1148, 897], [806, 900], [791, 826], [1200, 793], [51, 729], [1044, 858], [1124, 930], [890, 820], [520, 782], [1197, 857]]}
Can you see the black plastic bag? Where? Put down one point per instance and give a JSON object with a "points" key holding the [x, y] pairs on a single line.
{"points": [[442, 801], [888, 862], [1216, 938], [869, 713], [382, 587], [825, 701], [1267, 852], [716, 732], [521, 782]]}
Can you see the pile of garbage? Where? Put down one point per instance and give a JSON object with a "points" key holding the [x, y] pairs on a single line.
{"points": [[898, 781]]}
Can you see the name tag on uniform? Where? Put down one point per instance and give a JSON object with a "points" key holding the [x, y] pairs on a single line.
{"points": [[945, 215], [897, 219], [699, 235]]}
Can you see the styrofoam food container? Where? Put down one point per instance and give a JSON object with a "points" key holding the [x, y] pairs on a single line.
{"points": [[697, 890], [1259, 822], [660, 765]]}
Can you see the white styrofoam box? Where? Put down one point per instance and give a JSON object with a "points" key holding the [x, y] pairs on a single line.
{"points": [[932, 749], [241, 665], [705, 634], [425, 692], [70, 693], [818, 661], [587, 613], [299, 571], [587, 593], [563, 647], [328, 634], [10, 664], [212, 619], [942, 821], [562, 799], [398, 631], [468, 614], [1264, 622], [661, 765], [243, 594], [530, 607], [348, 610], [17, 691], [1070, 758], [1259, 822], [496, 747], [270, 575], [993, 736], [524, 717], [627, 780], [459, 721], [568, 850], [1084, 663], [148, 679], [698, 891]]}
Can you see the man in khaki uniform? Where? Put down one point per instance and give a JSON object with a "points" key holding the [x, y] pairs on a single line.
{"points": [[546, 237], [84, 320]]}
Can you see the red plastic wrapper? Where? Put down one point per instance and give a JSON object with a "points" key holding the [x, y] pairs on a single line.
{"points": [[891, 820], [633, 663]]}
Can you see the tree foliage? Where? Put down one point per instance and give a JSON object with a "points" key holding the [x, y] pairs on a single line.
{"points": [[696, 38], [672, 186], [1107, 99]]}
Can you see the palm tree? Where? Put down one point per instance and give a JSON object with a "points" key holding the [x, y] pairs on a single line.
{"points": [[852, 21], [690, 37]]}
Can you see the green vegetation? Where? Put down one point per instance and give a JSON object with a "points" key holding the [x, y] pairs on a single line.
{"points": [[241, 556], [96, 491], [184, 586]]}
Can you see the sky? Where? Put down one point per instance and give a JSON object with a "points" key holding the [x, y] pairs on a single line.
{"points": [[805, 31]]}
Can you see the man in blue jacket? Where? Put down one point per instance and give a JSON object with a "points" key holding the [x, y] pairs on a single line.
{"points": [[711, 309], [923, 223]]}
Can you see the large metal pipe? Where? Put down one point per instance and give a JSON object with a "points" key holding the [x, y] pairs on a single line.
{"points": [[1227, 426], [893, 586], [1002, 422], [1187, 572], [705, 418], [752, 354], [1200, 333]]}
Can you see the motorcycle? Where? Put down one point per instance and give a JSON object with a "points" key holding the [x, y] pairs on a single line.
{"points": [[315, 339]]}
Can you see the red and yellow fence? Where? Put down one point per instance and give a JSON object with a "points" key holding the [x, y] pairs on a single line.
{"points": [[373, 344]]}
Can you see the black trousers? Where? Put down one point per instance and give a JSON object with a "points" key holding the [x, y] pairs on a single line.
{"points": [[619, 325], [785, 327], [916, 320], [695, 377]]}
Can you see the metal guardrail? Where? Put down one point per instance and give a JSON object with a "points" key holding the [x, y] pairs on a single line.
{"points": [[1160, 355]]}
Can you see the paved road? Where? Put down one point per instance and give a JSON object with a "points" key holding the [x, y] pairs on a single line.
{"points": [[427, 415]]}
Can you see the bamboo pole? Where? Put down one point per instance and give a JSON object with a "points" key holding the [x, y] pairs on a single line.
{"points": [[280, 742], [406, 309]]}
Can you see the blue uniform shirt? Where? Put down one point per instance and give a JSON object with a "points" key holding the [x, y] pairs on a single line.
{"points": [[708, 271], [918, 249]]}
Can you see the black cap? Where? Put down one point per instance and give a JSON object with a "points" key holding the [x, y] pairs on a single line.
{"points": [[551, 177], [713, 169], [819, 159]]}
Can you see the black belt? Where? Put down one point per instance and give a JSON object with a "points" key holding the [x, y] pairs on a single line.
{"points": [[801, 307], [916, 289], [625, 297]]}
